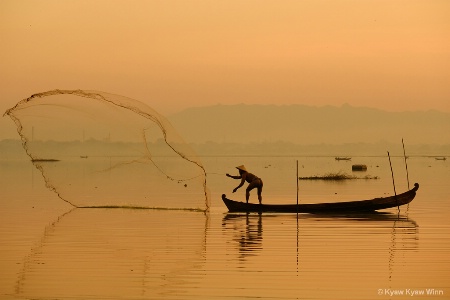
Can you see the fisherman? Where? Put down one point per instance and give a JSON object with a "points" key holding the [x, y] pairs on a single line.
{"points": [[253, 180]]}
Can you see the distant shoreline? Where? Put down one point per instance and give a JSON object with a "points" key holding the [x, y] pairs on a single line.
{"points": [[93, 148]]}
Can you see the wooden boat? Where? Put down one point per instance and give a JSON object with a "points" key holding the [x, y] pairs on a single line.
{"points": [[338, 207], [440, 158], [342, 158], [44, 160]]}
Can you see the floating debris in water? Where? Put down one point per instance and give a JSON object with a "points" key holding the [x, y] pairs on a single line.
{"points": [[359, 168]]}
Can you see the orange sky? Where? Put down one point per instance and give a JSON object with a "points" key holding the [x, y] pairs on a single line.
{"points": [[393, 55]]}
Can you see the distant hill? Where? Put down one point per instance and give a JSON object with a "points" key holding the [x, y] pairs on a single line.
{"points": [[307, 125]]}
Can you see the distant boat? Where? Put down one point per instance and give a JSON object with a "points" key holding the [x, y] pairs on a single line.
{"points": [[83, 156], [317, 208], [44, 160], [342, 158], [440, 158]]}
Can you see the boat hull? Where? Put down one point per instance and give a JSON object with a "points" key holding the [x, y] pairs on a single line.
{"points": [[338, 207]]}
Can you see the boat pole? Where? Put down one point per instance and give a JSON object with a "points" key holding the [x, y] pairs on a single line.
{"points": [[406, 164], [297, 215], [392, 172], [297, 186], [393, 181]]}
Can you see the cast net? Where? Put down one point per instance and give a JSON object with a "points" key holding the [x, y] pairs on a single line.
{"points": [[96, 149]]}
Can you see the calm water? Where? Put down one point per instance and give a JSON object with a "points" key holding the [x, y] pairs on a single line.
{"points": [[48, 250]]}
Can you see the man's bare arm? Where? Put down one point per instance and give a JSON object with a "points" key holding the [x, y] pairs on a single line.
{"points": [[234, 177], [240, 184], [243, 176]]}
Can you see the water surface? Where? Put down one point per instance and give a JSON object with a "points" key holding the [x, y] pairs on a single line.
{"points": [[49, 250]]}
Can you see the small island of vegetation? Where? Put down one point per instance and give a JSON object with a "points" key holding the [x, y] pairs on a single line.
{"points": [[337, 176]]}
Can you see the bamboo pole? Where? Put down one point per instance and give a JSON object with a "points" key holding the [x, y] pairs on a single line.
{"points": [[406, 164], [297, 186], [393, 181], [297, 213], [392, 172]]}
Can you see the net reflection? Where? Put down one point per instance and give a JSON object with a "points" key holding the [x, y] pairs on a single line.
{"points": [[114, 253]]}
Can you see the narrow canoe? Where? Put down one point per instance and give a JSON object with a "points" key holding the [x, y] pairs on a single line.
{"points": [[342, 158], [349, 206]]}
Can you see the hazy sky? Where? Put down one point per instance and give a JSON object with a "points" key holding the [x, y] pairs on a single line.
{"points": [[393, 55]]}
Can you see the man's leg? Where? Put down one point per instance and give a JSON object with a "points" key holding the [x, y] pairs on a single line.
{"points": [[250, 187], [260, 187], [255, 184]]}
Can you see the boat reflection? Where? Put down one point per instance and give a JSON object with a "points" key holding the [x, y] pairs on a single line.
{"points": [[379, 234]]}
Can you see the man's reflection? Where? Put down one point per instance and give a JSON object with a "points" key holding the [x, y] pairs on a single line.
{"points": [[247, 232]]}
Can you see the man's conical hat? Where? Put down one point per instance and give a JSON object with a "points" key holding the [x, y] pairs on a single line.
{"points": [[241, 168]]}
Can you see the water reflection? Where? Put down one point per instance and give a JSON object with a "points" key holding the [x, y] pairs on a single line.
{"points": [[248, 236], [372, 237], [114, 253], [404, 236]]}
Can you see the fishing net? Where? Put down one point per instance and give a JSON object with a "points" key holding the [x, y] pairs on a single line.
{"points": [[101, 150]]}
